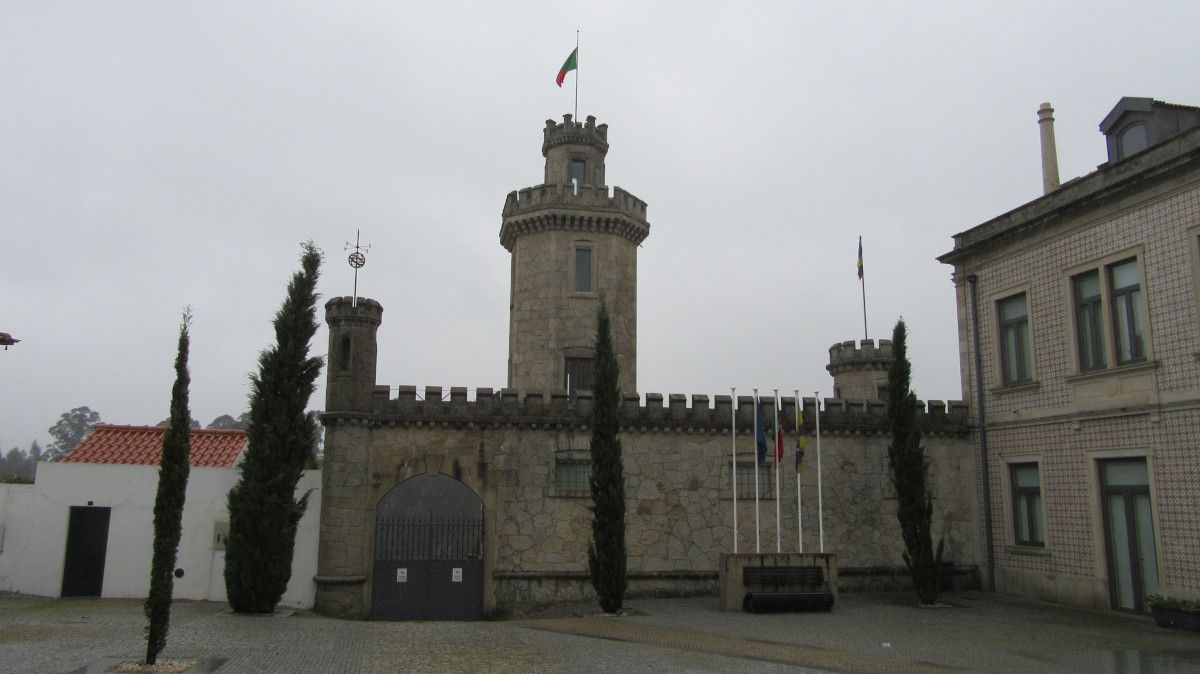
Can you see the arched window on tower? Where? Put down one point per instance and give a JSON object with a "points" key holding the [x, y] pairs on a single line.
{"points": [[343, 354]]}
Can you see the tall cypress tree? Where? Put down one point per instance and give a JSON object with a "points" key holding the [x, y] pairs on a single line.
{"points": [[910, 473], [168, 503], [263, 508], [606, 550]]}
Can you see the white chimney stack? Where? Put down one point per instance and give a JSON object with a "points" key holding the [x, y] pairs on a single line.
{"points": [[1049, 150]]}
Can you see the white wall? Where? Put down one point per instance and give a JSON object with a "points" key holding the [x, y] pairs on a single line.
{"points": [[33, 522]]}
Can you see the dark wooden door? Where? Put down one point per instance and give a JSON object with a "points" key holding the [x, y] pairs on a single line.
{"points": [[87, 544]]}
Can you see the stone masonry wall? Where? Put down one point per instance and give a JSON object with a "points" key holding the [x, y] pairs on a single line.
{"points": [[679, 503]]}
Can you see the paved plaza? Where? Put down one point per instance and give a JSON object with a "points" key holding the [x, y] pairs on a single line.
{"points": [[864, 633]]}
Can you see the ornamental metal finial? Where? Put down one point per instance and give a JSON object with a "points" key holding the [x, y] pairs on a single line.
{"points": [[357, 259]]}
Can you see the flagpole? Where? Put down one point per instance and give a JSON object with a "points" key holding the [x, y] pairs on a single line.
{"points": [[799, 465], [757, 531], [820, 492], [576, 73], [861, 278], [733, 460], [775, 451]]}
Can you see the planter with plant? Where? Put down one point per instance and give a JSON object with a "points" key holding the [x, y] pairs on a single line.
{"points": [[1181, 614]]}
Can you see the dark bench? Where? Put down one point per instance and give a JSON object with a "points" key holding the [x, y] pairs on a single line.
{"points": [[785, 588]]}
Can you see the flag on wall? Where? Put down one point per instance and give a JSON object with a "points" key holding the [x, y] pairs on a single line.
{"points": [[860, 266], [570, 64]]}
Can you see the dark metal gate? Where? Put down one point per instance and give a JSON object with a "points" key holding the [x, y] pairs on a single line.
{"points": [[87, 545], [428, 552]]}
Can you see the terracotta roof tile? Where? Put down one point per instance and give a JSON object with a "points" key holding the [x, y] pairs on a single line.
{"points": [[142, 445]]}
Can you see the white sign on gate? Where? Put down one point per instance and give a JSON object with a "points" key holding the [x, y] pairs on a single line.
{"points": [[456, 575], [401, 575]]}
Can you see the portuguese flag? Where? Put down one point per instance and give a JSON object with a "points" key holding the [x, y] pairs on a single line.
{"points": [[570, 64]]}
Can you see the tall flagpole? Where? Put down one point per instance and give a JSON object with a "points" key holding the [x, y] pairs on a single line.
{"points": [[799, 465], [861, 278], [577, 75], [775, 460], [733, 461], [820, 492], [757, 531]]}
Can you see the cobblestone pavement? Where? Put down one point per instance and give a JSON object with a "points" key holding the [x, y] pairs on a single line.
{"points": [[864, 633]]}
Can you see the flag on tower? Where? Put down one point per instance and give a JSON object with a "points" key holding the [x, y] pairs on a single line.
{"points": [[570, 64], [860, 266]]}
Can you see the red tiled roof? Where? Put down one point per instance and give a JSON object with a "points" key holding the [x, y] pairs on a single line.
{"points": [[142, 445]]}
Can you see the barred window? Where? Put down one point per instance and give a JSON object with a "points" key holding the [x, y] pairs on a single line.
{"points": [[745, 480], [572, 477]]}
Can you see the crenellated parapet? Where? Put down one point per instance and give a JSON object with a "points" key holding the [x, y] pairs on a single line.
{"points": [[585, 208], [571, 132], [510, 408], [865, 356]]}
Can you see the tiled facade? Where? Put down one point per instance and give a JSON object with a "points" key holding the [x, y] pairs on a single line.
{"points": [[1147, 207]]}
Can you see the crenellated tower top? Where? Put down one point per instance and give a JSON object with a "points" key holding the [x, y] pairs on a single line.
{"points": [[575, 152]]}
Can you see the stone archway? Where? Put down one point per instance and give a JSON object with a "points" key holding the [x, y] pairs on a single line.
{"points": [[428, 551]]}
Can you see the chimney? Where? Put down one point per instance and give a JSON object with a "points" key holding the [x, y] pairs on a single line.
{"points": [[1049, 151]]}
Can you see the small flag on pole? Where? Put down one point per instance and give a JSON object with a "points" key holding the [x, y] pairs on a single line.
{"points": [[760, 433], [570, 64], [778, 432], [860, 265]]}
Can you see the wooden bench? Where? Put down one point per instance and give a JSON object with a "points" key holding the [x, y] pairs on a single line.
{"points": [[785, 588]]}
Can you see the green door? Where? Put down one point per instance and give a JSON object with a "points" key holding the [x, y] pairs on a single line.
{"points": [[1128, 532]]}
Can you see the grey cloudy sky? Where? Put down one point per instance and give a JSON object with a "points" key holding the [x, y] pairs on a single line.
{"points": [[155, 155]]}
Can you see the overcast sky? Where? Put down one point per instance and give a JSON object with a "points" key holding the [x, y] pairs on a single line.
{"points": [[155, 155]]}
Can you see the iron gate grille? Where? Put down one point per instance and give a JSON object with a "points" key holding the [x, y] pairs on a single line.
{"points": [[428, 538]]}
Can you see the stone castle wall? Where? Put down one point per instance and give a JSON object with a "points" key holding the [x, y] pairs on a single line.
{"points": [[508, 447]]}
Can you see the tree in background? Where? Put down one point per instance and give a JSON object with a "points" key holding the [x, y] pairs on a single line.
{"points": [[606, 550], [70, 430], [168, 503], [263, 508], [225, 422], [168, 421], [910, 474]]}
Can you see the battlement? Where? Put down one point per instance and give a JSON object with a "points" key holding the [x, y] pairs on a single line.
{"points": [[845, 356], [341, 309], [574, 133], [619, 212], [558, 410]]}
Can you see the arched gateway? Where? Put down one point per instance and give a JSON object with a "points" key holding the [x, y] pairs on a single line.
{"points": [[428, 551]]}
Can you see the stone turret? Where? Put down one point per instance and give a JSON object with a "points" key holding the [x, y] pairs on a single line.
{"points": [[571, 241], [353, 350], [860, 372]]}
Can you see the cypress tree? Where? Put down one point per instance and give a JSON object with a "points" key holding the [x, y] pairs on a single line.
{"points": [[909, 469], [606, 550], [168, 503], [263, 508]]}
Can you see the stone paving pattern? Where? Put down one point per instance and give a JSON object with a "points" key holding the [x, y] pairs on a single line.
{"points": [[864, 633]]}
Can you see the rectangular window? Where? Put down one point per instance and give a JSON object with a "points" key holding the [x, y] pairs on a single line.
{"points": [[1129, 329], [583, 270], [1027, 504], [578, 374], [1016, 358], [745, 481], [1086, 288], [572, 477], [577, 171]]}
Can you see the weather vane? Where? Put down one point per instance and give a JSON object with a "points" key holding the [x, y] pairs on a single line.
{"points": [[357, 259]]}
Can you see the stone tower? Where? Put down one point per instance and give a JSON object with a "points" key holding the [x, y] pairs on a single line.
{"points": [[571, 242], [350, 378], [860, 372]]}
